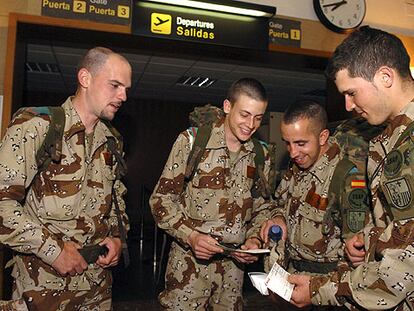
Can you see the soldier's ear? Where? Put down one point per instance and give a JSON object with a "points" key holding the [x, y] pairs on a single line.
{"points": [[226, 106], [323, 137], [385, 76], [84, 77]]}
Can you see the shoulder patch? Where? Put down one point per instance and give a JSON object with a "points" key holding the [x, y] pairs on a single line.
{"points": [[193, 131], [27, 113], [264, 144], [354, 170], [355, 216], [358, 183], [33, 112], [38, 110], [412, 135]]}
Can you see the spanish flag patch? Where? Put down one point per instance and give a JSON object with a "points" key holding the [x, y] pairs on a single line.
{"points": [[358, 183]]}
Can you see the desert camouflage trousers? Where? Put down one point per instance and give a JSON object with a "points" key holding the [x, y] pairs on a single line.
{"points": [[98, 298], [192, 284]]}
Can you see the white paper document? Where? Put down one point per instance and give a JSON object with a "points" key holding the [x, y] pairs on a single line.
{"points": [[277, 282], [258, 281]]}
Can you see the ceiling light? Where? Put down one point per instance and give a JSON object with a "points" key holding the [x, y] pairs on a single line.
{"points": [[202, 82], [41, 67], [227, 6]]}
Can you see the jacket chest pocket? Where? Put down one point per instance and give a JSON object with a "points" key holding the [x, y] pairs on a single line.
{"points": [[214, 179], [202, 210], [58, 189], [309, 225]]}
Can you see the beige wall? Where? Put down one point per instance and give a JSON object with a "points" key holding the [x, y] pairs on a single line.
{"points": [[7, 6], [396, 16], [317, 37]]}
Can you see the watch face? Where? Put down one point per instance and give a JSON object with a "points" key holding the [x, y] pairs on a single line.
{"points": [[340, 15]]}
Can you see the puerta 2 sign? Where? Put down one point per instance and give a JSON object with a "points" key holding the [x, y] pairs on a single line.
{"points": [[173, 22], [101, 11]]}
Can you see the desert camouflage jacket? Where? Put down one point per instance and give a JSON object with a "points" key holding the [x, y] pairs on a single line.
{"points": [[69, 201], [386, 279], [217, 200], [302, 199]]}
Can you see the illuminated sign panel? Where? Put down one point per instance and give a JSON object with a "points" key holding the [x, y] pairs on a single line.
{"points": [[102, 11], [285, 32], [173, 22]]}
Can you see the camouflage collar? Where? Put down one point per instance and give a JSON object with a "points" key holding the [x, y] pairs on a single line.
{"points": [[329, 158], [74, 125], [218, 139], [404, 117], [397, 124]]}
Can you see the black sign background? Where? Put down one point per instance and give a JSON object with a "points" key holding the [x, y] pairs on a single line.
{"points": [[229, 29], [285, 32]]}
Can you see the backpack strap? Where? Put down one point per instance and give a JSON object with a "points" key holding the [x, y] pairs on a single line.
{"points": [[121, 227], [115, 146], [333, 210], [51, 148], [259, 157], [405, 134], [202, 135], [260, 185], [343, 167]]}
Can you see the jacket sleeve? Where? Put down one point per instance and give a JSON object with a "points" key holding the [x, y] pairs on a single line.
{"points": [[18, 229], [383, 282], [165, 202]]}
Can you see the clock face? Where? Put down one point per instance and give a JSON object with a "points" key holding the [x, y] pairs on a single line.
{"points": [[340, 15]]}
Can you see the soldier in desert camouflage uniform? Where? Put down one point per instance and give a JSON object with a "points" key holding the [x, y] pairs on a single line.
{"points": [[304, 208], [215, 205], [46, 216], [371, 68]]}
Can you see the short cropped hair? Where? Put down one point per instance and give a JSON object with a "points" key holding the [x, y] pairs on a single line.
{"points": [[95, 58], [365, 50], [247, 86], [306, 109]]}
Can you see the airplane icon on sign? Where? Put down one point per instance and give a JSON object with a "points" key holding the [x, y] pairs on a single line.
{"points": [[160, 21]]}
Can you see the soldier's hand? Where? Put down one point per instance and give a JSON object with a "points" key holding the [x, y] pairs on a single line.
{"points": [[268, 223], [70, 261], [354, 249], [252, 243], [114, 246], [203, 245], [301, 292]]}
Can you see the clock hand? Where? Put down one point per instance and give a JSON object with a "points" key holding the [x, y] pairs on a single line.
{"points": [[335, 5]]}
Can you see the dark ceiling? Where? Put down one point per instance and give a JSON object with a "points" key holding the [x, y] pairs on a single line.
{"points": [[52, 55]]}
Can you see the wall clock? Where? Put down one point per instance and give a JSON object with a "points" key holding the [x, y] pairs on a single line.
{"points": [[341, 16]]}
